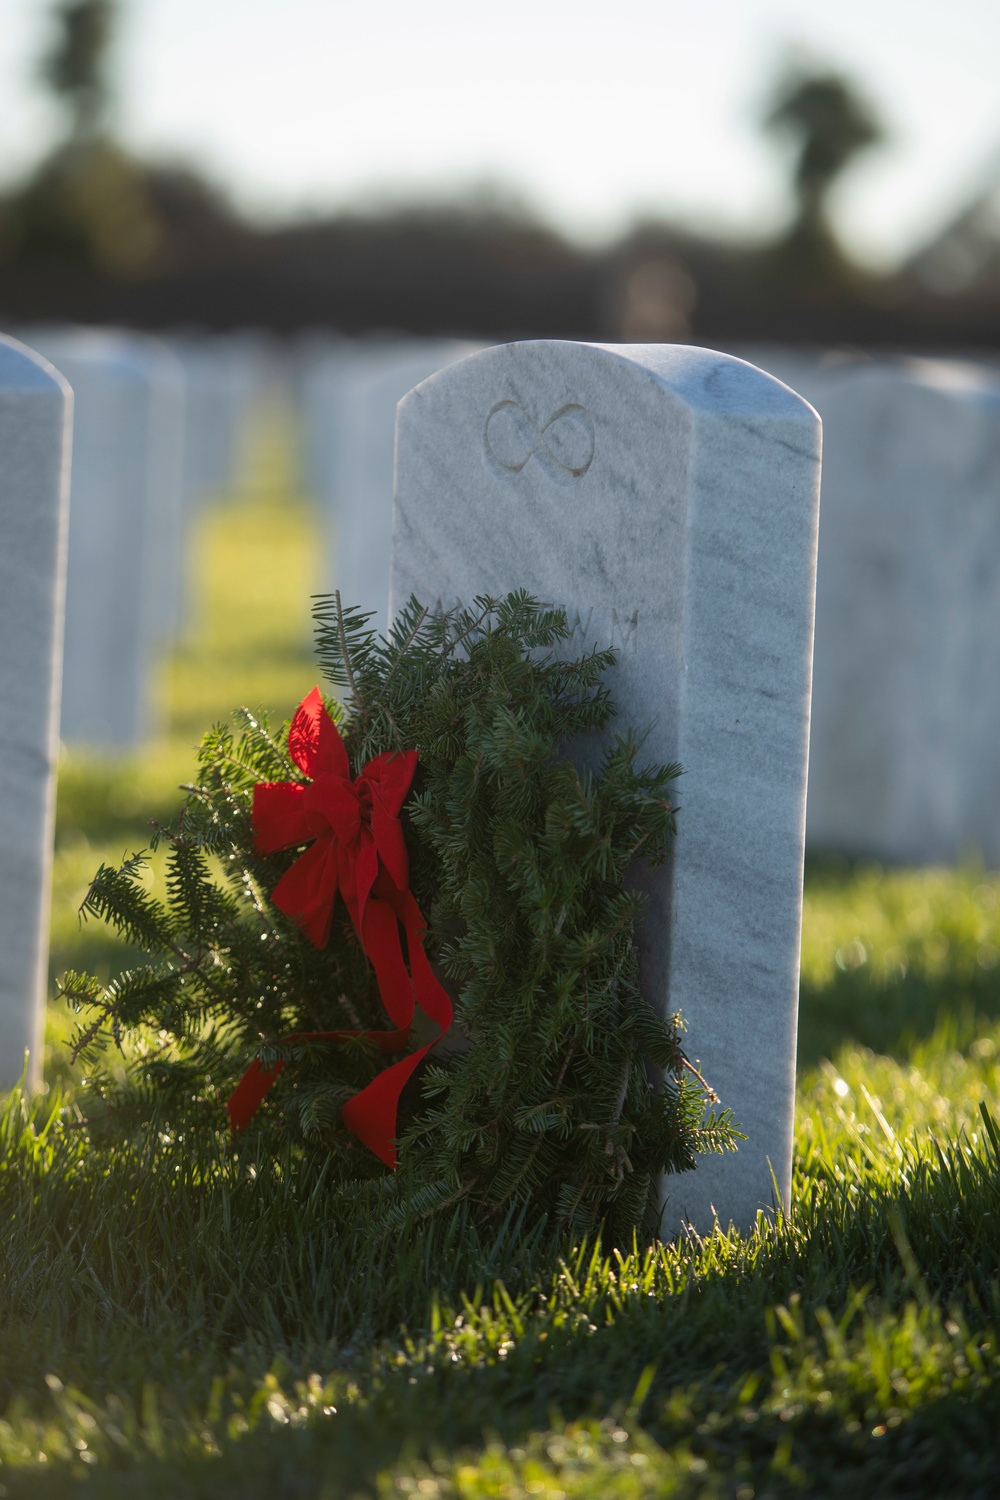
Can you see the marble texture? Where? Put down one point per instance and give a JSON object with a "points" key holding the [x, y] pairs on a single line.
{"points": [[351, 412], [126, 528], [667, 497], [905, 758], [35, 408]]}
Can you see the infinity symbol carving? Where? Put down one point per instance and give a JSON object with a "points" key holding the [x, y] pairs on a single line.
{"points": [[564, 446]]}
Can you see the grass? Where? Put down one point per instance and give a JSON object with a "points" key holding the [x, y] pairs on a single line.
{"points": [[180, 1320]]}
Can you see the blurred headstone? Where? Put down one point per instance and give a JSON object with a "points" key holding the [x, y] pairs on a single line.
{"points": [[667, 497], [34, 472], [350, 406], [225, 379], [905, 752], [322, 370], [217, 409], [126, 528]]}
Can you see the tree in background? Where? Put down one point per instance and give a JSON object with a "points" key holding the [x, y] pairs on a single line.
{"points": [[86, 203], [76, 66], [830, 124]]}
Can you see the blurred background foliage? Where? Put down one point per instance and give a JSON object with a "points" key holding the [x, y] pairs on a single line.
{"points": [[94, 234]]}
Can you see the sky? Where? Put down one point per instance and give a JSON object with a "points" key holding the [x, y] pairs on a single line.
{"points": [[595, 112]]}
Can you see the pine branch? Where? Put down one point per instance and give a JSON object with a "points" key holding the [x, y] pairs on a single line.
{"points": [[517, 861], [345, 654], [470, 625]]}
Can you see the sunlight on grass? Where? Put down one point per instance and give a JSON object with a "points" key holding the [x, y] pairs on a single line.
{"points": [[932, 922], [186, 1319], [862, 1097], [888, 955]]}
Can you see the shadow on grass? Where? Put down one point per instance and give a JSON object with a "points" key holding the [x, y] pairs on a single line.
{"points": [[893, 1018], [750, 1381], [932, 976]]}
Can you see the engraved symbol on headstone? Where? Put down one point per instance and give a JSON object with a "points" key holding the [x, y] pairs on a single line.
{"points": [[563, 446], [443, 606], [625, 628], [578, 626]]}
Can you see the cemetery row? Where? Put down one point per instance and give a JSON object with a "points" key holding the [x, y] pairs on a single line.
{"points": [[905, 749], [668, 498]]}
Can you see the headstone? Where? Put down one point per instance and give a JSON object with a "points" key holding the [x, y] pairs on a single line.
{"points": [[34, 471], [667, 497], [322, 372], [254, 383], [905, 749], [126, 529], [352, 411], [213, 418], [168, 530], [224, 380]]}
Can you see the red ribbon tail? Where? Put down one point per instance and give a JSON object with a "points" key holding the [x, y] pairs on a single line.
{"points": [[431, 995], [371, 1115], [249, 1093], [247, 1096]]}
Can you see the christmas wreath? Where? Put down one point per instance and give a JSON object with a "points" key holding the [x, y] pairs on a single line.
{"points": [[399, 931]]}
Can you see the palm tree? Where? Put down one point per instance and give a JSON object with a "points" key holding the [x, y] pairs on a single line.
{"points": [[86, 203], [830, 124], [76, 65]]}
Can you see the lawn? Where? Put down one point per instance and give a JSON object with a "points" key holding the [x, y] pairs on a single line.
{"points": [[181, 1322]]}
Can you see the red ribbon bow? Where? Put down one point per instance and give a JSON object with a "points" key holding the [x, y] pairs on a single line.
{"points": [[356, 848]]}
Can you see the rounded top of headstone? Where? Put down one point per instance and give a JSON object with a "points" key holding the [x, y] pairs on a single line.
{"points": [[857, 379], [955, 377], [702, 380], [24, 369], [712, 380], [119, 354]]}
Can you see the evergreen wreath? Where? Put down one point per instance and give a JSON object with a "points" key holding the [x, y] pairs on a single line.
{"points": [[565, 1096]]}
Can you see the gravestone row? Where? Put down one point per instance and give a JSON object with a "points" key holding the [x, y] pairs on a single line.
{"points": [[84, 603], [667, 497], [906, 714], [157, 429], [348, 398], [905, 753]]}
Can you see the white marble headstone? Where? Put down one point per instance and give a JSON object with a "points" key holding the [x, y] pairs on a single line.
{"points": [[168, 530], [667, 497], [126, 528], [35, 405], [225, 377], [216, 400], [351, 408], [313, 385], [905, 754]]}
